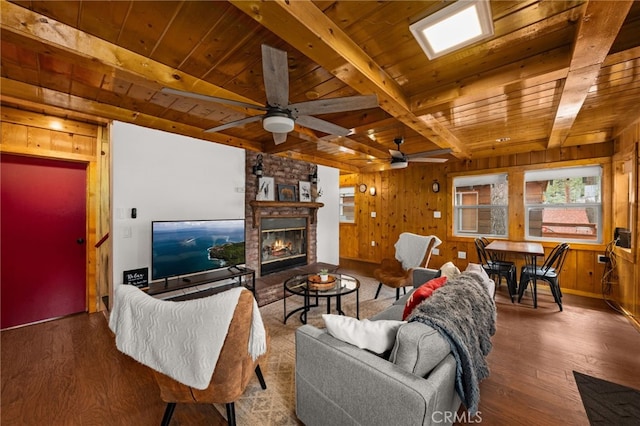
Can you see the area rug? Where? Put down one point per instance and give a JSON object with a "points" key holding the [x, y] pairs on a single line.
{"points": [[276, 404], [608, 403]]}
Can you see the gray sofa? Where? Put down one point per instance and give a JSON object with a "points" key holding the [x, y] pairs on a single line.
{"points": [[338, 383]]}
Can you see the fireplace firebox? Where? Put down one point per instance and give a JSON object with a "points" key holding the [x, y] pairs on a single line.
{"points": [[283, 243]]}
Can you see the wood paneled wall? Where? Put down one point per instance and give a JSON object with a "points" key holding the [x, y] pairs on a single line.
{"points": [[626, 177], [50, 136], [405, 202]]}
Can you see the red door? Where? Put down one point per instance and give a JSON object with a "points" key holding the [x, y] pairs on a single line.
{"points": [[43, 226]]}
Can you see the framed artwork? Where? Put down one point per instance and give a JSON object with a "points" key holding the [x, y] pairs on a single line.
{"points": [[305, 191], [266, 189], [286, 192]]}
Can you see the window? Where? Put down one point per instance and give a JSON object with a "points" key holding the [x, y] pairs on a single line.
{"points": [[564, 204], [480, 206], [347, 204]]}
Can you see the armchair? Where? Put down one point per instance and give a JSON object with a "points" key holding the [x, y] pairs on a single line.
{"points": [[200, 351], [412, 250], [233, 371]]}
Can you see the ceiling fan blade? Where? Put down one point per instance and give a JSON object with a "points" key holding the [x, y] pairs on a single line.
{"points": [[328, 106], [428, 160], [397, 154], [275, 72], [206, 98], [429, 153], [235, 123], [279, 138], [322, 125]]}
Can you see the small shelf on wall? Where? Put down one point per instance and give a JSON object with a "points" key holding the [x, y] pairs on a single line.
{"points": [[256, 206]]}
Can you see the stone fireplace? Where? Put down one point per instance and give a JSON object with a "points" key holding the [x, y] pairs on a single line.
{"points": [[278, 235]]}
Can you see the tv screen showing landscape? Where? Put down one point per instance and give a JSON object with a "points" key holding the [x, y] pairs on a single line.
{"points": [[186, 247]]}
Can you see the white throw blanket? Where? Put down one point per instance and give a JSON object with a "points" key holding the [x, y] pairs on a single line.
{"points": [[411, 248], [179, 339]]}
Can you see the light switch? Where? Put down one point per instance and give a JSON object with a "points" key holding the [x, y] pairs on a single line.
{"points": [[462, 255], [437, 214], [435, 252], [373, 243], [373, 214]]}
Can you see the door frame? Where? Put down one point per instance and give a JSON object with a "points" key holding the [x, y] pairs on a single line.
{"points": [[94, 194]]}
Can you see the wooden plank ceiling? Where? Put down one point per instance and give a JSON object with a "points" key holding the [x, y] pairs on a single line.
{"points": [[555, 73]]}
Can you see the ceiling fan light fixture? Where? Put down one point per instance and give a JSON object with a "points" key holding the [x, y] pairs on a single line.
{"points": [[277, 124]]}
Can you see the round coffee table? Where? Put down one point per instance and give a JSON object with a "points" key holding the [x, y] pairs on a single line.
{"points": [[310, 287]]}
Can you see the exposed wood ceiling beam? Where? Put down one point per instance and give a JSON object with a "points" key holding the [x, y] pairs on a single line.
{"points": [[30, 93], [27, 24], [55, 111], [596, 33], [305, 27]]}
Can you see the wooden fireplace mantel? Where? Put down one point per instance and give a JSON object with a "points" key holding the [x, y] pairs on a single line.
{"points": [[256, 206]]}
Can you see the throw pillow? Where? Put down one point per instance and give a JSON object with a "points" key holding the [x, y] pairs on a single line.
{"points": [[422, 293], [376, 336], [486, 280], [449, 270]]}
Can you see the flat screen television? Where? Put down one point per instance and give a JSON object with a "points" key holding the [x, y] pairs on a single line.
{"points": [[183, 247]]}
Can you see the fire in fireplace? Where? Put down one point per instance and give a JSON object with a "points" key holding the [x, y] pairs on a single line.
{"points": [[283, 243]]}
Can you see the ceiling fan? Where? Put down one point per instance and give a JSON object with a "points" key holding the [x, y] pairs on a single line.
{"points": [[399, 160], [280, 115]]}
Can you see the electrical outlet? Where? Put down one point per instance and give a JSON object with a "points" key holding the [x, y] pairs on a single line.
{"points": [[602, 258], [373, 214], [435, 252], [437, 214], [373, 243], [462, 255]]}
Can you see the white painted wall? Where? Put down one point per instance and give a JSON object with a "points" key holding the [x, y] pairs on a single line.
{"points": [[328, 232], [167, 177], [171, 177]]}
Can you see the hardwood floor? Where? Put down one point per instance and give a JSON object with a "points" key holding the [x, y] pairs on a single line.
{"points": [[535, 352], [68, 371]]}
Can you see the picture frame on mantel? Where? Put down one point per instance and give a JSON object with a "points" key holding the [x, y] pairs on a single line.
{"points": [[286, 192], [266, 189], [305, 191]]}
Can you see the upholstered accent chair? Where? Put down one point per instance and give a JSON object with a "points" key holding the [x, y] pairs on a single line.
{"points": [[232, 373], [394, 274]]}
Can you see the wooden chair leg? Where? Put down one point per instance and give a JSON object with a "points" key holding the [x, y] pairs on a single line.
{"points": [[168, 412], [263, 384], [378, 291], [231, 414]]}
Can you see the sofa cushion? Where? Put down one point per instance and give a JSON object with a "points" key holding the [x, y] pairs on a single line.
{"points": [[393, 312], [418, 348], [376, 336], [421, 293]]}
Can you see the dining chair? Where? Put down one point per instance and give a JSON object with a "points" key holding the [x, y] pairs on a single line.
{"points": [[497, 267], [549, 272]]}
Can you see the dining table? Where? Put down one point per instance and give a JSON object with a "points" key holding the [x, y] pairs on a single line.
{"points": [[531, 251]]}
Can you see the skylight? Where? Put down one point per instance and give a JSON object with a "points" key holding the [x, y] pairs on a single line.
{"points": [[453, 27]]}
